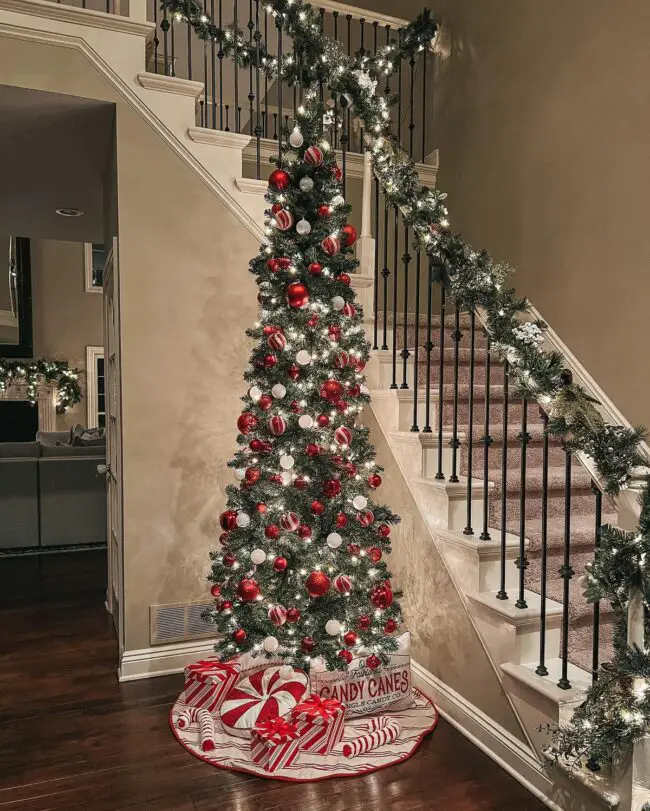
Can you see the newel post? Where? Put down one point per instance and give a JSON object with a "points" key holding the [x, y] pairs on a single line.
{"points": [[363, 279]]}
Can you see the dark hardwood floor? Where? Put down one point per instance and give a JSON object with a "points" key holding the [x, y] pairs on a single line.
{"points": [[72, 738]]}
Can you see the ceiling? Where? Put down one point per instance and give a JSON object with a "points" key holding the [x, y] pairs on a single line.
{"points": [[53, 153]]}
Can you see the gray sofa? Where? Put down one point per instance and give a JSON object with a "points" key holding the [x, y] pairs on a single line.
{"points": [[50, 493]]}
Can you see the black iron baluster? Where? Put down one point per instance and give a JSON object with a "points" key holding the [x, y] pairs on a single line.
{"points": [[399, 91], [295, 84], [385, 272], [362, 51], [213, 71], [502, 594], [264, 128], [348, 17], [164, 27], [566, 572], [455, 442], [278, 23], [411, 104], [428, 346], [204, 104], [541, 668], [251, 92], [393, 384], [275, 126], [595, 640], [155, 34], [405, 354], [522, 562], [487, 441], [375, 341], [441, 374], [172, 71], [220, 56], [424, 103], [227, 127], [258, 125], [235, 25], [416, 341], [470, 437], [239, 119], [335, 14], [266, 76]]}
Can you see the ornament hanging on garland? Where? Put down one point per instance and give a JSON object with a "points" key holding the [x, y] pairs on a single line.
{"points": [[248, 590], [313, 156], [307, 645], [297, 295], [260, 446], [315, 269], [381, 595], [293, 615], [366, 518], [349, 234], [333, 627], [239, 636], [293, 372], [265, 402], [303, 358], [363, 623], [349, 310], [338, 302], [284, 220], [337, 173], [331, 390], [374, 554], [228, 520], [269, 361], [229, 560], [304, 532], [332, 488], [373, 662], [317, 584], [279, 180], [317, 507], [345, 656], [344, 279], [280, 564], [374, 480], [350, 639], [324, 210], [278, 391]]}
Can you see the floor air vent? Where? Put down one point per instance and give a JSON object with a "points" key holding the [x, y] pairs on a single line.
{"points": [[179, 622]]}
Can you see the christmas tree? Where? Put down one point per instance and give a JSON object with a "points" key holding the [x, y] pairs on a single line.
{"points": [[302, 571]]}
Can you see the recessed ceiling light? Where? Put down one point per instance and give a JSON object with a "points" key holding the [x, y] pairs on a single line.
{"points": [[69, 212]]}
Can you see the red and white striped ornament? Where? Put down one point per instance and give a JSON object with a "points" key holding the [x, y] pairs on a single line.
{"points": [[341, 360], [331, 245], [284, 219], [349, 309], [343, 436], [343, 583], [277, 425], [278, 615], [277, 340], [366, 518], [381, 731], [313, 156], [289, 522]]}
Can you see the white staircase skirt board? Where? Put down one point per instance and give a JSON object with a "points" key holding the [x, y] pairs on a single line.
{"points": [[250, 186], [79, 16], [170, 84], [205, 135]]}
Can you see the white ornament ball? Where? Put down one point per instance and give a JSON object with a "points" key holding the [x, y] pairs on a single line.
{"points": [[306, 184], [287, 462], [303, 227], [286, 672], [334, 540], [240, 474], [338, 302], [278, 391], [359, 502], [255, 393], [243, 520], [287, 478], [303, 357], [296, 139], [258, 556], [270, 644], [333, 627], [364, 389], [338, 200], [305, 421]]}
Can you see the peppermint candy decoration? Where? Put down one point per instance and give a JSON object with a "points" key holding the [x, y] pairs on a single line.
{"points": [[277, 425], [284, 219], [366, 518], [289, 522], [277, 340], [343, 436], [343, 583], [313, 156], [278, 615], [349, 309], [331, 245], [341, 360]]}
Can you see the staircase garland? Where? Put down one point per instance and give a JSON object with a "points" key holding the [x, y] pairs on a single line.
{"points": [[616, 710], [31, 374]]}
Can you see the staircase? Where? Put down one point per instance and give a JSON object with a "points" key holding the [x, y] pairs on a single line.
{"points": [[432, 406]]}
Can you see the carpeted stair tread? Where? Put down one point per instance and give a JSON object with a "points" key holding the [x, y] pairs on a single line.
{"points": [[580, 611], [580, 481], [535, 430], [582, 531]]}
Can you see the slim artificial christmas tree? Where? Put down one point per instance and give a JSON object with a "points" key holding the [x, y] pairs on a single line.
{"points": [[301, 572]]}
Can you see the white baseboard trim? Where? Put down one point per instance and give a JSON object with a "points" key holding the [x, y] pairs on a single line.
{"points": [[512, 754], [163, 660]]}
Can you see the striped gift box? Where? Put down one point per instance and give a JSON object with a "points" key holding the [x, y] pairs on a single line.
{"points": [[274, 744], [320, 723], [207, 683]]}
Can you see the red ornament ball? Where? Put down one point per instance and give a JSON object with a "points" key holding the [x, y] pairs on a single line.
{"points": [[336, 171], [295, 406], [383, 530], [317, 507], [313, 156], [272, 532], [350, 468], [215, 590], [284, 220], [279, 179], [225, 605], [324, 210], [331, 390], [341, 360], [252, 475], [313, 320], [246, 422], [341, 520], [260, 446], [239, 636], [390, 627], [331, 488], [312, 450], [274, 266], [247, 590], [353, 548], [269, 361], [366, 518], [265, 402], [294, 372], [300, 483], [343, 584], [261, 508], [293, 615], [349, 310], [350, 639], [276, 478], [223, 538], [277, 425], [373, 662], [229, 559], [363, 623], [284, 262], [276, 341], [345, 279], [317, 584], [280, 564], [345, 656], [307, 645], [331, 245], [381, 595], [354, 390], [315, 269], [228, 520], [276, 207], [342, 406], [334, 332], [349, 233], [374, 554], [304, 531], [323, 420], [297, 295]]}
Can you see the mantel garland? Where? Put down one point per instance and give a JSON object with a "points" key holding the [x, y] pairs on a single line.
{"points": [[34, 373], [616, 710]]}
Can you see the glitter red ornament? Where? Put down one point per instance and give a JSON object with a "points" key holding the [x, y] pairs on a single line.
{"points": [[363, 623], [336, 171], [350, 639], [293, 615], [373, 662], [381, 595], [215, 590], [374, 554], [280, 564], [261, 508], [247, 590], [252, 475], [273, 265], [247, 422], [295, 406], [279, 179], [344, 279], [225, 605], [313, 320], [331, 488], [284, 220], [312, 450], [331, 245], [331, 390], [324, 210], [390, 626], [260, 446], [317, 507], [272, 532], [374, 480], [276, 207], [228, 520], [277, 425], [304, 531], [349, 235], [315, 268], [229, 559], [276, 478], [345, 656], [353, 548], [297, 295], [341, 520], [284, 262], [307, 645], [269, 361], [265, 402], [294, 372], [300, 483], [317, 584], [239, 636], [383, 530]]}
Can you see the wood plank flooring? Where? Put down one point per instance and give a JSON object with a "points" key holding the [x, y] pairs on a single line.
{"points": [[72, 738]]}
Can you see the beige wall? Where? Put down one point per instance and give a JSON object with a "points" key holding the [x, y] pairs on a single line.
{"points": [[66, 318]]}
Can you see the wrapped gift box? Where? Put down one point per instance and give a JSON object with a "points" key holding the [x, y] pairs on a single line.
{"points": [[208, 682], [319, 722], [274, 744]]}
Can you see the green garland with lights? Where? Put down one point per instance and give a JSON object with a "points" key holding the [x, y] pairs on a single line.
{"points": [[616, 711], [34, 373]]}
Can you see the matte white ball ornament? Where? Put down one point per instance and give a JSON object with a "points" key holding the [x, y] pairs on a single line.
{"points": [[270, 644], [240, 474], [255, 393], [333, 627], [243, 520], [286, 478], [334, 540], [303, 227], [306, 184], [278, 391], [338, 302], [303, 358], [296, 139], [258, 556], [305, 421], [286, 672], [287, 462], [359, 502]]}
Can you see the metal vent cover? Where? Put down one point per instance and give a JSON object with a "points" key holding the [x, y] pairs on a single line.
{"points": [[179, 622]]}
